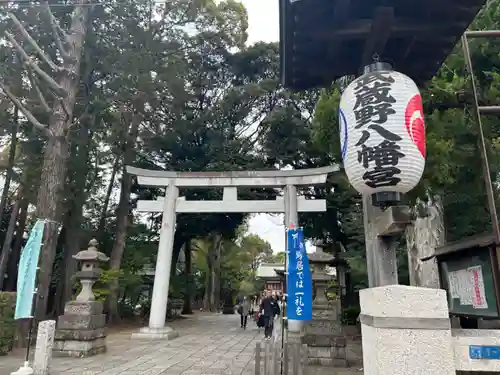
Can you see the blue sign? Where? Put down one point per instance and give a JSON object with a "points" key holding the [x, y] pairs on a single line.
{"points": [[484, 352], [26, 273], [299, 282]]}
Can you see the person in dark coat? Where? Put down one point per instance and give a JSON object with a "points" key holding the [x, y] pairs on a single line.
{"points": [[269, 309], [244, 310]]}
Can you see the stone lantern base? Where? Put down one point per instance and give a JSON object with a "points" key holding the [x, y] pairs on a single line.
{"points": [[81, 331], [323, 335]]}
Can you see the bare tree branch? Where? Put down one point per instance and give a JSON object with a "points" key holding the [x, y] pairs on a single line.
{"points": [[57, 31], [33, 43], [37, 124], [39, 92], [30, 63]]}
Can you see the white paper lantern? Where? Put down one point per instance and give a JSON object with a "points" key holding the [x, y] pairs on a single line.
{"points": [[382, 133]]}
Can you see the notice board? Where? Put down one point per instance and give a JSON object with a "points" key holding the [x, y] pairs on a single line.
{"points": [[467, 276]]}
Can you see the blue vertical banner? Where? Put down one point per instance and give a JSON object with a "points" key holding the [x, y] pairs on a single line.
{"points": [[26, 274], [299, 281]]}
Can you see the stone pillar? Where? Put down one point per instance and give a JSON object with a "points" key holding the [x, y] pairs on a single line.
{"points": [[158, 313], [81, 330], [425, 234], [44, 346], [406, 330]]}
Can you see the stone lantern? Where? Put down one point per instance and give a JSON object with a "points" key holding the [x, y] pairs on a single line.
{"points": [[319, 262], [325, 325], [81, 331], [90, 271]]}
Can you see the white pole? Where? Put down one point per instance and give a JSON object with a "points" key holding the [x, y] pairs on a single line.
{"points": [[164, 260]]}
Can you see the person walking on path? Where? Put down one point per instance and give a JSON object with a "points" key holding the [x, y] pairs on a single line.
{"points": [[244, 310], [269, 309]]}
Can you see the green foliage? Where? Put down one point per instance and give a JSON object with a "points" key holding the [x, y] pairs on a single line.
{"points": [[239, 261], [276, 258], [350, 315], [331, 290], [7, 322], [130, 285], [102, 286]]}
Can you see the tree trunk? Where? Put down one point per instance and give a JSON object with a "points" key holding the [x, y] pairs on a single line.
{"points": [[214, 258], [10, 164], [422, 237], [53, 176], [208, 285], [72, 234], [217, 273], [208, 280], [101, 229], [188, 295], [18, 245], [72, 245], [7, 243], [122, 214], [179, 241]]}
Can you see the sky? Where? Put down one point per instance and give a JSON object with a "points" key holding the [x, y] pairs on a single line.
{"points": [[263, 25], [263, 20]]}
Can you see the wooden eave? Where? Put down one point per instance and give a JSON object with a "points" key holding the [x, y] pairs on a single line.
{"points": [[323, 40]]}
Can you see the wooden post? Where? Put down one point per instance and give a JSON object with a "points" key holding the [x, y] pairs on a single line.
{"points": [[272, 365], [266, 358], [277, 355], [285, 359], [258, 348]]}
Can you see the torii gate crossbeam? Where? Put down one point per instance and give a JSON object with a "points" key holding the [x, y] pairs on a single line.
{"points": [[172, 204]]}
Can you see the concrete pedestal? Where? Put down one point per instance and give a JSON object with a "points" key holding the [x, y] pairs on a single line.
{"points": [[406, 330], [81, 330], [146, 333], [23, 370], [465, 340]]}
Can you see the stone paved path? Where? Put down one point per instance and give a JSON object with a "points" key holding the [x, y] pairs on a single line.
{"points": [[208, 345]]}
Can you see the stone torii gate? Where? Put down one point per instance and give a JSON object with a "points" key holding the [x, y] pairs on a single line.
{"points": [[172, 204]]}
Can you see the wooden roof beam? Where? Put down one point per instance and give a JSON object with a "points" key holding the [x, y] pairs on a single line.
{"points": [[449, 7], [356, 29], [340, 17], [380, 31], [322, 72]]}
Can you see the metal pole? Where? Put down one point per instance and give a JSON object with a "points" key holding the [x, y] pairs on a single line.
{"points": [[482, 34], [292, 221], [482, 143], [285, 285], [381, 259]]}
